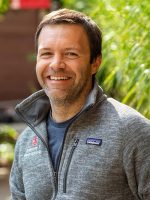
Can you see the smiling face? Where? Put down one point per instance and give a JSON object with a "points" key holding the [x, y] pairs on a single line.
{"points": [[63, 63]]}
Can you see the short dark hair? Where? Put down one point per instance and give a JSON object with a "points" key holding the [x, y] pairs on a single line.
{"points": [[67, 16]]}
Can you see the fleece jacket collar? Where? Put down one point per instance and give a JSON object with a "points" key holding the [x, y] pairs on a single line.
{"points": [[35, 108]]}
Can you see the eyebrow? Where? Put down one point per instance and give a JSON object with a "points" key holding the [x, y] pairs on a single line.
{"points": [[71, 48], [66, 49], [45, 49]]}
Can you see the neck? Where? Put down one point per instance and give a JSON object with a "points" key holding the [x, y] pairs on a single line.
{"points": [[65, 112]]}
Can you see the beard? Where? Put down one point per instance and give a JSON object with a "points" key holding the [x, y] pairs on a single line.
{"points": [[71, 94]]}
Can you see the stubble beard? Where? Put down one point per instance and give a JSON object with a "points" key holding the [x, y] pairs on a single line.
{"points": [[72, 95]]}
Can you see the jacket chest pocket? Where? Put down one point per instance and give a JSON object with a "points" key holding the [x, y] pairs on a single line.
{"points": [[90, 167]]}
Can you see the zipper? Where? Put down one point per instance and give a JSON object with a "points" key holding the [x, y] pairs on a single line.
{"points": [[76, 141], [55, 175]]}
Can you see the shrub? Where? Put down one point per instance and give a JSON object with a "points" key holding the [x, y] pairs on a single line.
{"points": [[125, 70], [8, 138]]}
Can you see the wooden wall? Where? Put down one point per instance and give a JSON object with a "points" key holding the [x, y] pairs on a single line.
{"points": [[17, 70]]}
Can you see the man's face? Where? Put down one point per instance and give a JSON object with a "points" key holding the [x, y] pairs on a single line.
{"points": [[63, 62]]}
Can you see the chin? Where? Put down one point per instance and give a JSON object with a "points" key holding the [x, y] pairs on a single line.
{"points": [[55, 96]]}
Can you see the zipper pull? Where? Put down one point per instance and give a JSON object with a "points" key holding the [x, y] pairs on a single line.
{"points": [[76, 142], [55, 173]]}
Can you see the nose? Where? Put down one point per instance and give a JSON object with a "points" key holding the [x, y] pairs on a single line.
{"points": [[57, 63]]}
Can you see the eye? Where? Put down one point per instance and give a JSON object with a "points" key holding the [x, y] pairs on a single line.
{"points": [[71, 54], [46, 54]]}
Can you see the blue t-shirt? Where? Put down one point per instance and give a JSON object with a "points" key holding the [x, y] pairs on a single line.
{"points": [[56, 134]]}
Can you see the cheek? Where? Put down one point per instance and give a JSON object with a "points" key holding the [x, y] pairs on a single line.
{"points": [[85, 71], [39, 73], [40, 67], [80, 75], [80, 68], [38, 70]]}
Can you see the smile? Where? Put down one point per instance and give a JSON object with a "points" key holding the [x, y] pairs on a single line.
{"points": [[57, 78]]}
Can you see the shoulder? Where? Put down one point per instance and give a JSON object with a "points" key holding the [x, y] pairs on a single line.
{"points": [[134, 127], [26, 134], [125, 113], [130, 122], [24, 139]]}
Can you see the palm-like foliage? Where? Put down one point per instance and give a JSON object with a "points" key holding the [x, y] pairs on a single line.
{"points": [[4, 4], [125, 70]]}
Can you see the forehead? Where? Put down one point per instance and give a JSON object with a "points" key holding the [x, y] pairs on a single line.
{"points": [[67, 33]]}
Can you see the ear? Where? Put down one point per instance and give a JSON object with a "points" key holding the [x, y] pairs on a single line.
{"points": [[95, 65]]}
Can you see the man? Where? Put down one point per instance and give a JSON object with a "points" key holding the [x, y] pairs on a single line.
{"points": [[79, 144]]}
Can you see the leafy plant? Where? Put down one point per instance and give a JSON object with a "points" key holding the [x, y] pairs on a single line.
{"points": [[8, 138], [4, 4], [125, 70]]}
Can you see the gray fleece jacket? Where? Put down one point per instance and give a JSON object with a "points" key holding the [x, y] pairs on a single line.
{"points": [[106, 153]]}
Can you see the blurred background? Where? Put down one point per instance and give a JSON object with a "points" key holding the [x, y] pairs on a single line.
{"points": [[124, 73]]}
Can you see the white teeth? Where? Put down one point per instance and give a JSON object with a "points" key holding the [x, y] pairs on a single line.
{"points": [[58, 78]]}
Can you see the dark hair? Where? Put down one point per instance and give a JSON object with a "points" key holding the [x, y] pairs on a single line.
{"points": [[67, 16]]}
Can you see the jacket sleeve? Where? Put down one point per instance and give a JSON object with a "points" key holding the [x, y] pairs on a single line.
{"points": [[16, 179], [136, 157]]}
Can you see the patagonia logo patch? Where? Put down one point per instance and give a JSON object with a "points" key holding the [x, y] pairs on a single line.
{"points": [[94, 141]]}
